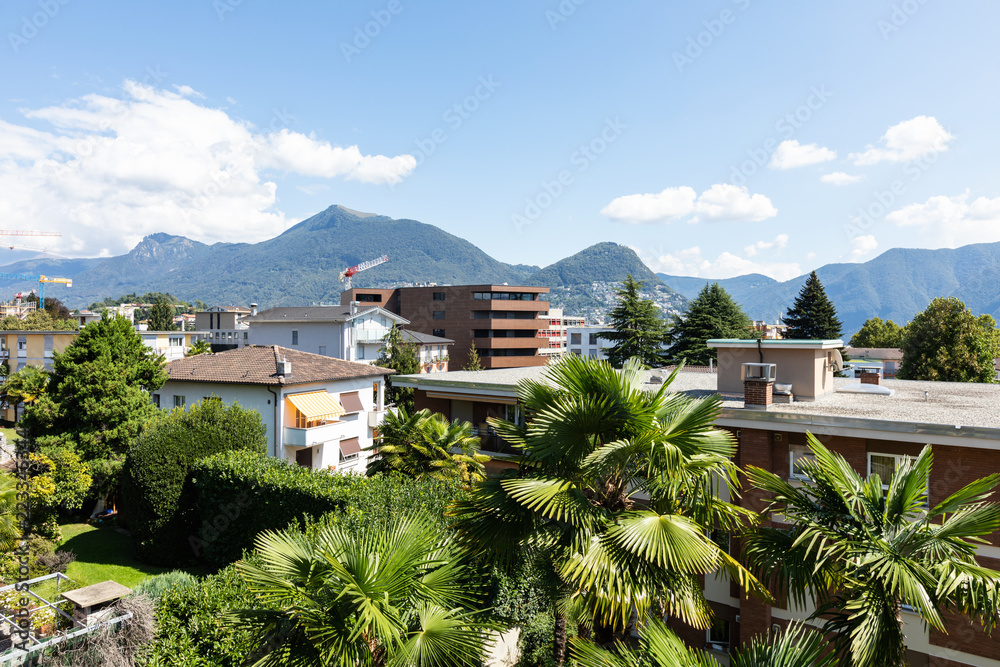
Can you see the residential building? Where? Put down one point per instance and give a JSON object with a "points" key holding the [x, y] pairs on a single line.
{"points": [[773, 393], [353, 332], [770, 331], [171, 344], [432, 351], [504, 321], [889, 358], [585, 342], [555, 333], [30, 348], [319, 412], [225, 326], [85, 317]]}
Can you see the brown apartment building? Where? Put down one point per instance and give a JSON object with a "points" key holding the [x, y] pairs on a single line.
{"points": [[503, 320], [769, 417]]}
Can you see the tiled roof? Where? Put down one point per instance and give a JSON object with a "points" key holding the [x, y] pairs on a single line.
{"points": [[424, 339], [258, 364], [304, 313]]}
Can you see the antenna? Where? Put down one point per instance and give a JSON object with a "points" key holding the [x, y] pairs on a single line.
{"points": [[838, 361]]}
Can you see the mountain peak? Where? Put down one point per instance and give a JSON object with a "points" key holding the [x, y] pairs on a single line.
{"points": [[601, 262]]}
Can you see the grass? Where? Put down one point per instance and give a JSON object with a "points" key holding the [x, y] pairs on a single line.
{"points": [[10, 433], [102, 553]]}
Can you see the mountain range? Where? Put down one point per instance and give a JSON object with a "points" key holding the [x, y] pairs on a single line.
{"points": [[301, 266]]}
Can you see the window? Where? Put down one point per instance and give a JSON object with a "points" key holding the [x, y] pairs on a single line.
{"points": [[439, 296], [178, 401], [593, 339], [574, 339], [295, 338], [246, 334], [796, 455], [592, 353], [438, 332], [368, 298], [438, 314], [575, 351], [176, 341], [156, 399], [361, 351], [718, 636], [884, 465], [322, 350]]}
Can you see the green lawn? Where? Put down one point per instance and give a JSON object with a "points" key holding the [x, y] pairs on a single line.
{"points": [[104, 553], [10, 433]]}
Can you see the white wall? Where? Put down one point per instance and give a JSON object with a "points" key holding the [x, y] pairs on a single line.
{"points": [[312, 336], [599, 350]]}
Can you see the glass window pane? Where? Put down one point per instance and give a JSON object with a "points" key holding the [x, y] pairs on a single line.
{"points": [[883, 466]]}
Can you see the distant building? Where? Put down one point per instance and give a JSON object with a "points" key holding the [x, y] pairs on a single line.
{"points": [[85, 317], [351, 332], [887, 358], [171, 344], [432, 351], [771, 331], [319, 412], [584, 341], [225, 326], [555, 333], [503, 320]]}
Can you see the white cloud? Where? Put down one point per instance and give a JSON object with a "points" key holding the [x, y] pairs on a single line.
{"points": [[840, 178], [691, 262], [790, 154], [670, 204], [906, 141], [105, 172], [779, 242], [721, 202], [952, 221], [863, 245]]}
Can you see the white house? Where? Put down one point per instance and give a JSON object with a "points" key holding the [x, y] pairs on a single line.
{"points": [[351, 333], [320, 412], [584, 341]]}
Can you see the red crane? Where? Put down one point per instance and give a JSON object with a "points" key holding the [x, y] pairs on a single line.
{"points": [[348, 273]]}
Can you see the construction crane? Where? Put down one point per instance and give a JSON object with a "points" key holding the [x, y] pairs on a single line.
{"points": [[42, 280], [26, 232], [348, 273]]}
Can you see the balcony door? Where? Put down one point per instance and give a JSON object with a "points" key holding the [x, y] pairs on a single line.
{"points": [[304, 457]]}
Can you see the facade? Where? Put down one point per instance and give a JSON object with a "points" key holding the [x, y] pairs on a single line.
{"points": [[771, 331], [583, 341], [431, 350], [559, 322], [171, 344], [224, 327], [352, 332], [769, 422], [502, 320], [888, 358], [30, 348], [85, 317], [319, 412]]}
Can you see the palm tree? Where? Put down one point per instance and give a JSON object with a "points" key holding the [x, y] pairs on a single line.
{"points": [[9, 524], [617, 485], [862, 548], [798, 646], [426, 445], [394, 594], [200, 346]]}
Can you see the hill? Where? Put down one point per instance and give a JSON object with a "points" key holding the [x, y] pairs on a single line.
{"points": [[896, 285], [603, 262]]}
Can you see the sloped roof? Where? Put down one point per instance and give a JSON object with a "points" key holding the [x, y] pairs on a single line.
{"points": [[318, 314], [423, 339], [258, 364]]}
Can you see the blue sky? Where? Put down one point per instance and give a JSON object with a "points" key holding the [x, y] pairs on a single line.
{"points": [[715, 138]]}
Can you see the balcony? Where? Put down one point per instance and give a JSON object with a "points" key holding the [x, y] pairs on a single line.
{"points": [[370, 335], [317, 435], [375, 418]]}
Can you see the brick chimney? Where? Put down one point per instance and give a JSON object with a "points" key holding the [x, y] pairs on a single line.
{"points": [[758, 385], [868, 377]]}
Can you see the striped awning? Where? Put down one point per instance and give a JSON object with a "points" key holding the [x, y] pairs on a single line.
{"points": [[316, 405]]}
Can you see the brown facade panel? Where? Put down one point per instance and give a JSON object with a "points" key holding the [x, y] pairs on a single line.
{"points": [[422, 401]]}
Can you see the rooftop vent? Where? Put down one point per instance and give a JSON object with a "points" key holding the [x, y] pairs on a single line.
{"points": [[284, 367]]}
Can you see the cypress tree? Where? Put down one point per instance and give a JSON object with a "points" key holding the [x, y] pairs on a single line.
{"points": [[713, 314], [813, 316], [638, 330]]}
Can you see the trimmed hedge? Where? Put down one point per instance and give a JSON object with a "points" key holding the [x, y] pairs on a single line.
{"points": [[156, 486], [239, 494]]}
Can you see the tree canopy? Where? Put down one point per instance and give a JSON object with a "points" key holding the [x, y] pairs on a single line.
{"points": [[813, 317], [402, 357], [712, 314], [473, 364], [161, 316], [946, 342], [876, 333], [97, 397], [38, 320], [638, 330]]}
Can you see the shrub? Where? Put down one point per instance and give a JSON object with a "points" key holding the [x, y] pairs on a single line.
{"points": [[157, 585], [157, 492], [57, 561], [39, 548]]}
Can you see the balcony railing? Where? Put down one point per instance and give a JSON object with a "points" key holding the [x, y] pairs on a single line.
{"points": [[370, 335], [317, 435]]}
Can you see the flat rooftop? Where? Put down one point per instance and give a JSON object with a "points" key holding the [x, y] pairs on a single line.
{"points": [[955, 408]]}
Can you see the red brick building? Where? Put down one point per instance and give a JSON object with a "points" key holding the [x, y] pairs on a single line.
{"points": [[504, 321]]}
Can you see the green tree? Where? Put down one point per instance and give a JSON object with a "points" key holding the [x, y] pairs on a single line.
{"points": [[38, 320], [473, 364], [425, 445], [394, 595], [638, 330], [813, 316], [713, 314], [26, 385], [878, 334], [595, 446], [161, 316], [158, 494], [97, 398], [947, 343], [9, 523], [200, 346], [989, 325], [402, 357], [862, 548]]}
